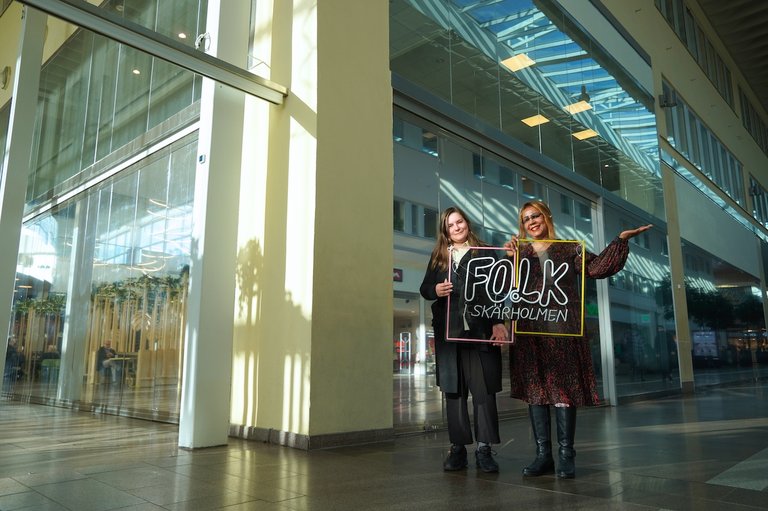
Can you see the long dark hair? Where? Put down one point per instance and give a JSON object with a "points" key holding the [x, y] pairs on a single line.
{"points": [[440, 257]]}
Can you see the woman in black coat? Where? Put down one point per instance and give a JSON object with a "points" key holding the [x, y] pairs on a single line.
{"points": [[463, 367]]}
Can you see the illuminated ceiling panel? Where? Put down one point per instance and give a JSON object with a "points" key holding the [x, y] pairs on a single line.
{"points": [[574, 71]]}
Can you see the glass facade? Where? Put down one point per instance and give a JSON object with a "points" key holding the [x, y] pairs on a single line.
{"points": [[690, 33], [754, 124], [726, 319], [134, 230], [525, 71], [98, 96], [759, 201], [526, 79], [491, 188], [102, 277], [694, 140], [178, 19], [641, 312], [485, 185]]}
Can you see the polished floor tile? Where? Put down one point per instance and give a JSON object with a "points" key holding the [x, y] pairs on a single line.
{"points": [[703, 452]]}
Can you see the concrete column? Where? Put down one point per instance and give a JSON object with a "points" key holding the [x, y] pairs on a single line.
{"points": [[762, 255], [15, 167], [677, 271], [607, 352], [314, 317], [205, 396], [351, 379]]}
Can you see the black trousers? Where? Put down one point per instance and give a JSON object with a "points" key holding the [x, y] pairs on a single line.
{"points": [[486, 415]]}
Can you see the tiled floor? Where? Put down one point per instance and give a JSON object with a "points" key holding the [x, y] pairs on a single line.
{"points": [[708, 452], [418, 403]]}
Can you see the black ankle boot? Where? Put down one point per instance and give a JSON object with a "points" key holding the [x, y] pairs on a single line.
{"points": [[484, 459], [540, 423], [566, 430], [457, 458]]}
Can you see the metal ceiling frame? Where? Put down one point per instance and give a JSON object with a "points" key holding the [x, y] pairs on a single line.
{"points": [[451, 17]]}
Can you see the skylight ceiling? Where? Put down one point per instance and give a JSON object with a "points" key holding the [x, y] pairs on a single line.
{"points": [[559, 62]]}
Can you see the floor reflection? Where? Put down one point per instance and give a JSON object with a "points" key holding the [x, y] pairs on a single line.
{"points": [[418, 402], [705, 452], [150, 400]]}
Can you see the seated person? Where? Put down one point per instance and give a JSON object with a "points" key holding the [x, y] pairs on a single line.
{"points": [[51, 351], [14, 359], [106, 364]]}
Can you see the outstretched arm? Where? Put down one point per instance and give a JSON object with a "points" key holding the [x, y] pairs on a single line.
{"points": [[611, 260], [631, 233]]}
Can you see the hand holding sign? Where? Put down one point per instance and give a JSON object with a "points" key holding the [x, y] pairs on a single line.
{"points": [[511, 246], [443, 288], [500, 333]]}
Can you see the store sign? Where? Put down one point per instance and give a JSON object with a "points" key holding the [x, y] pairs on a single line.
{"points": [[533, 293]]}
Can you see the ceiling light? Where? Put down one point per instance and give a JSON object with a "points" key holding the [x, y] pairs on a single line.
{"points": [[577, 107], [518, 62], [535, 120], [136, 72], [585, 134], [182, 35]]}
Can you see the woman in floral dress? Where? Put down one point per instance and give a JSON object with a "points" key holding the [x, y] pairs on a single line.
{"points": [[552, 371]]}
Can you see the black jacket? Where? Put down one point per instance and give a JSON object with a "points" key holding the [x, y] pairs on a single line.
{"points": [[446, 352]]}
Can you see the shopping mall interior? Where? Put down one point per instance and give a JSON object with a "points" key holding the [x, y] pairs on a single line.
{"points": [[217, 216]]}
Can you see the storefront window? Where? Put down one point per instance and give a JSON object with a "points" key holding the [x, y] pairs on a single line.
{"points": [[726, 319], [642, 317], [102, 274], [135, 232], [39, 302]]}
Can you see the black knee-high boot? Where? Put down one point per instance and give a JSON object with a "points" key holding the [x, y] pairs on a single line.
{"points": [[540, 422], [566, 430]]}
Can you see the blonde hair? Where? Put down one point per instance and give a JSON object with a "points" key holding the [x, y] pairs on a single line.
{"points": [[542, 208]]}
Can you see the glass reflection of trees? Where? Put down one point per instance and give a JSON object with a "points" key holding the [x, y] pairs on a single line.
{"points": [[144, 319], [37, 323], [733, 315]]}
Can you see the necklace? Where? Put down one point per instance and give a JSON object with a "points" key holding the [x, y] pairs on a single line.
{"points": [[458, 252]]}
